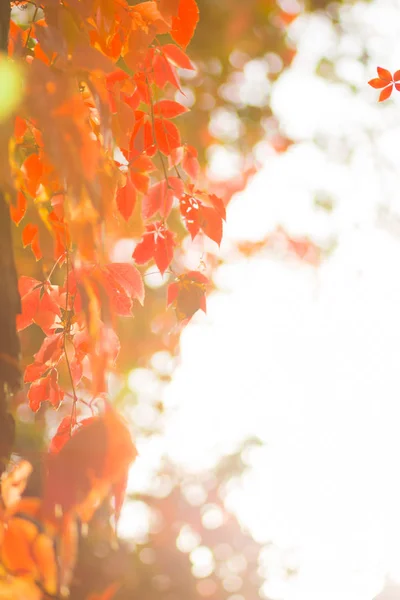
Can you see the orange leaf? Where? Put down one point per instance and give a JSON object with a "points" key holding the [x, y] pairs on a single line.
{"points": [[211, 223], [20, 128], [164, 72], [158, 243], [386, 93], [177, 56], [129, 278], [187, 294], [82, 473], [377, 83], [384, 74], [29, 290], [169, 109], [17, 212], [184, 24], [33, 169], [43, 389], [30, 236], [396, 76], [126, 199], [190, 162], [167, 135], [154, 199]]}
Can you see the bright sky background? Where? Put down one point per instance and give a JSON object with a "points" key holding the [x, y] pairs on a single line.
{"points": [[309, 359]]}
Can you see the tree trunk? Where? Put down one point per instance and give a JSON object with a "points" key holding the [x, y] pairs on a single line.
{"points": [[10, 302]]}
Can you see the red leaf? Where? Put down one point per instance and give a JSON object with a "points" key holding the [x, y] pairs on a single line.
{"points": [[160, 197], [176, 187], [129, 278], [38, 392], [190, 163], [82, 473], [51, 349], [33, 169], [190, 211], [56, 394], [386, 93], [17, 212], [377, 83], [211, 223], [396, 76], [187, 294], [178, 56], [29, 290], [184, 24], [169, 109], [164, 72], [158, 243], [154, 199], [126, 199], [34, 371], [20, 128], [62, 434], [384, 74], [144, 250], [48, 311], [164, 248], [218, 204], [30, 236], [167, 135]]}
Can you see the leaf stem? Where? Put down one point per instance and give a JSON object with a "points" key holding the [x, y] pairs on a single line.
{"points": [[154, 136], [66, 332]]}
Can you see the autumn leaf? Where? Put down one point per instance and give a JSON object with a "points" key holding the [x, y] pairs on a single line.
{"points": [[30, 237], [167, 135], [190, 162], [187, 294], [18, 211], [128, 278], [84, 470], [45, 389], [126, 198], [169, 109], [158, 243], [200, 216], [33, 171], [160, 197], [177, 56], [386, 81], [29, 290], [164, 72], [184, 24]]}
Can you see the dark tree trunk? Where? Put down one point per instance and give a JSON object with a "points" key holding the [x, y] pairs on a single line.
{"points": [[10, 302]]}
